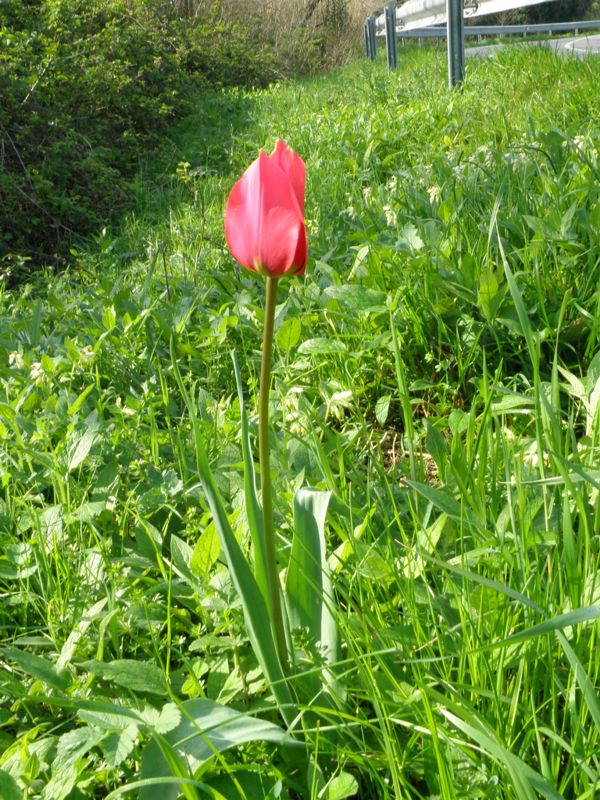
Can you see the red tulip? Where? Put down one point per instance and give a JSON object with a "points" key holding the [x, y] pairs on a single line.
{"points": [[264, 215]]}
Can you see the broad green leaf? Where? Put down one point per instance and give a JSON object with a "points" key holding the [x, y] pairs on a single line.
{"points": [[207, 728], [164, 720], [289, 334], [308, 588], [82, 441], [382, 409], [410, 235], [9, 788], [488, 289], [118, 745], [80, 400], [182, 555], [321, 346], [138, 676], [342, 786], [252, 784], [108, 716], [47, 364], [65, 767], [513, 403], [38, 667], [51, 524], [169, 788], [206, 552], [356, 298]]}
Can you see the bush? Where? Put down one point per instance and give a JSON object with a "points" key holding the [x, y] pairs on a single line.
{"points": [[88, 89]]}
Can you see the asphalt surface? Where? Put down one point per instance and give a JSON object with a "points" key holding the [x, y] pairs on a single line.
{"points": [[579, 46]]}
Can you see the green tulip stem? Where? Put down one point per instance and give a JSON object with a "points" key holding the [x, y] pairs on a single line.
{"points": [[265, 471]]}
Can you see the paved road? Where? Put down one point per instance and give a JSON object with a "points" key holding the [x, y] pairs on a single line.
{"points": [[580, 46]]}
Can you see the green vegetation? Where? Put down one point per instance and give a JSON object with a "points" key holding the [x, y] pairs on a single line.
{"points": [[437, 370], [89, 89]]}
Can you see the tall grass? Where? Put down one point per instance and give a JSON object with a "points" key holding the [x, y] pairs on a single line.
{"points": [[438, 372]]}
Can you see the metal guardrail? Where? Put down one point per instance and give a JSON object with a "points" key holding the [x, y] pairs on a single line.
{"points": [[424, 13], [500, 30], [391, 26]]}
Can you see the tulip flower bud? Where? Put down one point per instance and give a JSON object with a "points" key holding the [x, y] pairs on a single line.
{"points": [[264, 215]]}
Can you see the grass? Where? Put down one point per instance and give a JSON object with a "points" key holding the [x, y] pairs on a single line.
{"points": [[437, 370]]}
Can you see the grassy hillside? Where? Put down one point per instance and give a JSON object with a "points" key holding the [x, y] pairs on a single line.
{"points": [[437, 370]]}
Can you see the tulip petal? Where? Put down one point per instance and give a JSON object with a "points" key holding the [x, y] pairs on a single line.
{"points": [[294, 167], [239, 235], [281, 243], [240, 228]]}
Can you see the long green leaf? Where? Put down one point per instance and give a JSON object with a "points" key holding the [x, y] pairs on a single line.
{"points": [[444, 502], [309, 591], [253, 508], [562, 621], [588, 689], [38, 667], [308, 584], [522, 774], [517, 297], [256, 612]]}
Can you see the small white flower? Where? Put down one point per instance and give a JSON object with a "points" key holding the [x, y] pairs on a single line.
{"points": [[15, 359], [338, 403], [312, 227], [434, 193], [390, 215], [295, 419], [36, 372], [87, 355]]}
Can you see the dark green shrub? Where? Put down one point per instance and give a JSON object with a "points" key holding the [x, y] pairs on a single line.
{"points": [[87, 90]]}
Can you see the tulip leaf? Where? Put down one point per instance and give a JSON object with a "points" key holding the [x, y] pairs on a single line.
{"points": [[309, 591], [253, 507], [256, 612]]}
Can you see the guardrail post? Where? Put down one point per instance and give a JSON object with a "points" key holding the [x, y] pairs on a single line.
{"points": [[367, 40], [390, 35], [456, 42], [372, 39]]}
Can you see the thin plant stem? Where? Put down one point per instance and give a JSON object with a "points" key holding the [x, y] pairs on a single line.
{"points": [[265, 471]]}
